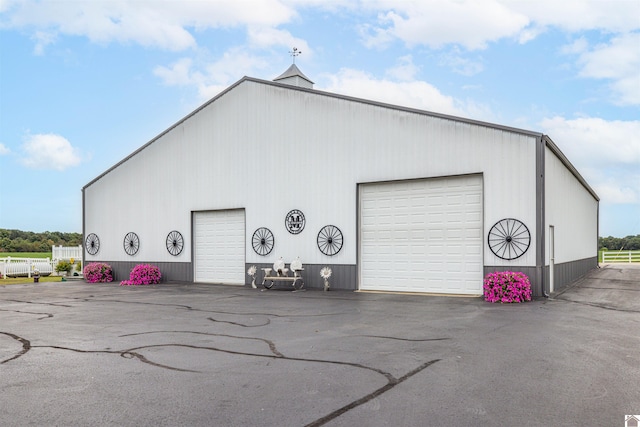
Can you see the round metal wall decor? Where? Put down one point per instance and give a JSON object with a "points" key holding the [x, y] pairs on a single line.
{"points": [[509, 239], [262, 241], [175, 243], [294, 221], [131, 243], [92, 244], [330, 240]]}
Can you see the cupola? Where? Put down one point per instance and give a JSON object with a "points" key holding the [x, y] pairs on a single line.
{"points": [[293, 76]]}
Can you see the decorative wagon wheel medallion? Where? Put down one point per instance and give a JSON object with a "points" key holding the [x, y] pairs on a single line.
{"points": [[131, 243], [92, 244], [509, 238], [294, 221], [175, 243], [330, 240], [262, 241]]}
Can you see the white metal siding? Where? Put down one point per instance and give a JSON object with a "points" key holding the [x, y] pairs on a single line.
{"points": [[573, 212], [270, 149], [422, 236], [219, 246]]}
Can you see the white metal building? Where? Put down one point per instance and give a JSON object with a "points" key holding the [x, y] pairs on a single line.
{"points": [[390, 198]]}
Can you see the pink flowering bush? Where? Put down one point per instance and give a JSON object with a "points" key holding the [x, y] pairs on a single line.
{"points": [[98, 272], [143, 274], [507, 286]]}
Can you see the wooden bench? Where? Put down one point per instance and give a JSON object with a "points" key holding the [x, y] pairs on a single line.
{"points": [[279, 273]]}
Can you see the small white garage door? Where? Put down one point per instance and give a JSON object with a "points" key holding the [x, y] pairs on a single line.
{"points": [[219, 246], [422, 236]]}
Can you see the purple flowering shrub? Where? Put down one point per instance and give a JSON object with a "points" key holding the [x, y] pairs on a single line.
{"points": [[143, 274], [507, 286], [98, 272]]}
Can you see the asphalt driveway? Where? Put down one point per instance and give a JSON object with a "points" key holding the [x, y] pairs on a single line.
{"points": [[207, 355]]}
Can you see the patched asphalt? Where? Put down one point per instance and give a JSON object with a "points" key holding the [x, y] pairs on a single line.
{"points": [[177, 354]]}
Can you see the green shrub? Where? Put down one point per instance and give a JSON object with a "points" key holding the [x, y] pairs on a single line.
{"points": [[63, 265]]}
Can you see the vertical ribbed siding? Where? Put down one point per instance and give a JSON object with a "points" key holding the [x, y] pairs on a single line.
{"points": [[567, 272], [342, 276], [171, 271]]}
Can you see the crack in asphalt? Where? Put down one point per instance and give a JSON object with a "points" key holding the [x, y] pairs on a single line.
{"points": [[40, 303], [127, 354], [404, 339], [186, 307], [603, 306], [391, 384], [270, 343], [46, 315], [26, 346], [190, 308], [134, 353], [239, 324], [611, 289]]}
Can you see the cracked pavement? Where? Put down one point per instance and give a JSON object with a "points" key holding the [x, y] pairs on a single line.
{"points": [[74, 353]]}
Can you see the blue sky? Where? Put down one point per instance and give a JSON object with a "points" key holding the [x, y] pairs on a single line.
{"points": [[85, 83]]}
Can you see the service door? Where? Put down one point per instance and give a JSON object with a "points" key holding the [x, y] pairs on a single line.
{"points": [[219, 246], [422, 236]]}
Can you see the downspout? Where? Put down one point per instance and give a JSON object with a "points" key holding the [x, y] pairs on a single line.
{"points": [[83, 228], [540, 211]]}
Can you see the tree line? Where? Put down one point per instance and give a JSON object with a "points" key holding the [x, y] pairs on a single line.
{"points": [[629, 243], [28, 241]]}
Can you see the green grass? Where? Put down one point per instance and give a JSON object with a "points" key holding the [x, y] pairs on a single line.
{"points": [[24, 280], [25, 254]]}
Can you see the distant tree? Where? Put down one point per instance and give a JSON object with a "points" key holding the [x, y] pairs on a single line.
{"points": [[628, 243], [28, 241], [633, 242]]}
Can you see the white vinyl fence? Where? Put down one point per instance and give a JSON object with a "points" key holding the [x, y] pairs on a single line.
{"points": [[620, 256], [66, 252], [20, 267]]}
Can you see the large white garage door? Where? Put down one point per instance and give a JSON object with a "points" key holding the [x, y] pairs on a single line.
{"points": [[422, 236], [219, 246]]}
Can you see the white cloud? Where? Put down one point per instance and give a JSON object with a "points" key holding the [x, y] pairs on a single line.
{"points": [[49, 151], [263, 36], [227, 68], [4, 150], [405, 70], [458, 63], [576, 47], [436, 23], [211, 78], [473, 24], [607, 142], [464, 24], [613, 16], [614, 191], [607, 153], [166, 25], [414, 94], [177, 74], [619, 61], [42, 39]]}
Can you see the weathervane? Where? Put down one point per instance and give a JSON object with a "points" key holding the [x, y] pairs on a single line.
{"points": [[295, 52]]}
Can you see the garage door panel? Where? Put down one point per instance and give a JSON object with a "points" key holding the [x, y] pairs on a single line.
{"points": [[422, 236], [219, 250]]}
